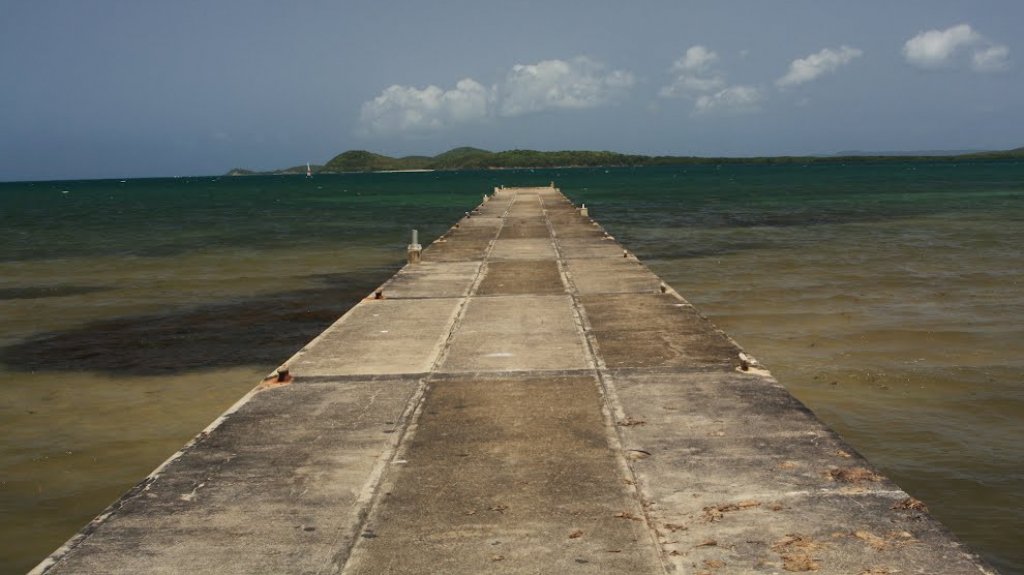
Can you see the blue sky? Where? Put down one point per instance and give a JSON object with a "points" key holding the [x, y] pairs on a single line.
{"points": [[133, 88]]}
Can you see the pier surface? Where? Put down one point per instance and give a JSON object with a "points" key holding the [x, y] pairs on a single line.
{"points": [[529, 398]]}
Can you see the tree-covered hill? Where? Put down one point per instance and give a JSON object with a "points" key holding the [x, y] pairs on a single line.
{"points": [[466, 158]]}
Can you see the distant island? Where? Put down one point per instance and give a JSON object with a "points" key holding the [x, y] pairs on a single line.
{"points": [[467, 158]]}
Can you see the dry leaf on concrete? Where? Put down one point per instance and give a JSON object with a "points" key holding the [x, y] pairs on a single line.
{"points": [[853, 475], [911, 504]]}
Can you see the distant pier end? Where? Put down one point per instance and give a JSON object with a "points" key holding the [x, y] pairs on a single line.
{"points": [[524, 396]]}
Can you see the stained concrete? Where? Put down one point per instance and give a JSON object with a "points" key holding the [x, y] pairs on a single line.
{"points": [[525, 400], [523, 249], [507, 475], [612, 275], [575, 248], [432, 280], [521, 333], [521, 277], [277, 488], [734, 459], [387, 336]]}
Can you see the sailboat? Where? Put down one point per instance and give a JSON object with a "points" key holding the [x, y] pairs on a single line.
{"points": [[309, 172]]}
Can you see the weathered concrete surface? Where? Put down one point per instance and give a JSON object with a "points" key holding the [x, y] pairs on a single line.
{"points": [[278, 487], [529, 249], [507, 475], [432, 280], [386, 336], [516, 333], [525, 400]]}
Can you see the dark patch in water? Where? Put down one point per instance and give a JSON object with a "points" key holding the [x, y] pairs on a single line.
{"points": [[262, 331], [37, 292]]}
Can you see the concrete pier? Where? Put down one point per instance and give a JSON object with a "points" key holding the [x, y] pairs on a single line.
{"points": [[525, 397]]}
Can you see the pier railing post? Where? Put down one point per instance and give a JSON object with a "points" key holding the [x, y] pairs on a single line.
{"points": [[415, 249]]}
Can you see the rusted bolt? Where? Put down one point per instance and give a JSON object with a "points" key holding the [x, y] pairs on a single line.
{"points": [[744, 365], [282, 374], [456, 225], [625, 254], [664, 288], [379, 294], [467, 215]]}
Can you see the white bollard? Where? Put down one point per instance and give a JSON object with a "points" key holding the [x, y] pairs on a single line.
{"points": [[414, 250]]}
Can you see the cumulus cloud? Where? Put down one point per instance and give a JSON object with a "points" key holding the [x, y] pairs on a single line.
{"points": [[827, 60], [551, 84], [730, 101], [935, 49], [693, 74], [567, 84], [409, 109], [697, 59]]}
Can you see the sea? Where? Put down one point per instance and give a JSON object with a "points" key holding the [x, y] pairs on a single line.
{"points": [[887, 296]]}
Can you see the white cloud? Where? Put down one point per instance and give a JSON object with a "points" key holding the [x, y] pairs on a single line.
{"points": [[943, 48], [806, 69], [696, 77], [685, 85], [934, 48], [697, 59], [569, 84], [730, 101], [992, 59], [693, 74], [409, 109]]}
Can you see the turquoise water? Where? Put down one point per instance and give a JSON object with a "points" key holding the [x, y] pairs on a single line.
{"points": [[886, 296]]}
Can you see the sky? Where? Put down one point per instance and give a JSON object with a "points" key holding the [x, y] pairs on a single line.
{"points": [[137, 88]]}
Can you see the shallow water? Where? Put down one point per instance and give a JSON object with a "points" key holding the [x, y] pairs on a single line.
{"points": [[887, 297]]}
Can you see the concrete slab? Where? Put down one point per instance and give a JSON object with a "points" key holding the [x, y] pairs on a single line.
{"points": [[478, 224], [380, 337], [516, 333], [432, 279], [529, 249], [525, 208], [508, 475], [738, 474], [580, 248], [524, 228], [577, 230], [456, 250], [278, 487], [491, 210], [655, 331], [612, 275], [519, 277], [617, 312]]}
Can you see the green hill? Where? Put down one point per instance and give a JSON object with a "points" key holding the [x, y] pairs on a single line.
{"points": [[1008, 154], [359, 161], [460, 158], [467, 158]]}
